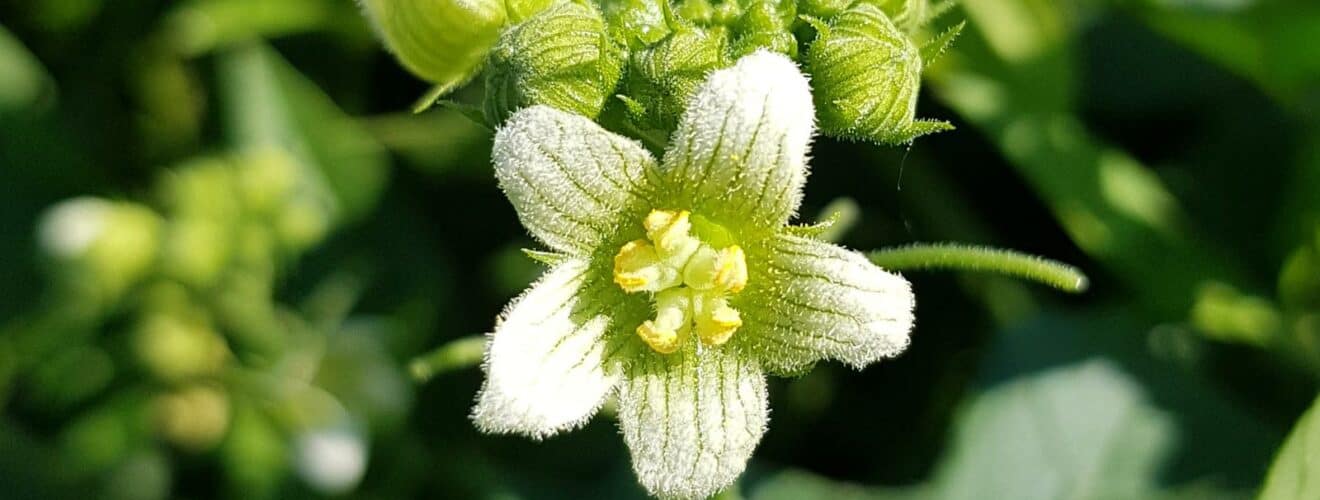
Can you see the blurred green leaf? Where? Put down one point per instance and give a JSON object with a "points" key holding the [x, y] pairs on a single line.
{"points": [[197, 26], [1011, 77], [23, 80], [268, 103], [1296, 470], [1084, 431], [801, 485]]}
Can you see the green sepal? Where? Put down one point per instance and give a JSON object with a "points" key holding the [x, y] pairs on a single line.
{"points": [[550, 259], [935, 47], [473, 113]]}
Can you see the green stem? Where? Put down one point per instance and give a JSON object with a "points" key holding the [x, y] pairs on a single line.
{"points": [[977, 258], [455, 355]]}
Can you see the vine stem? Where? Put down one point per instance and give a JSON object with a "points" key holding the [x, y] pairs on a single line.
{"points": [[960, 257]]}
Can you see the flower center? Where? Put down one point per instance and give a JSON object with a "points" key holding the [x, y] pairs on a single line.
{"points": [[691, 279]]}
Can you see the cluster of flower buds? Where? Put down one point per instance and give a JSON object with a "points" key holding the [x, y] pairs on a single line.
{"points": [[196, 273], [633, 64]]}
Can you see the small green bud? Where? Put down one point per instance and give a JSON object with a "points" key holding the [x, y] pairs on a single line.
{"points": [[441, 41], [867, 74], [266, 178], [662, 78], [635, 24], [562, 57], [908, 15], [194, 418], [767, 24], [100, 246], [176, 346], [302, 223], [824, 9], [197, 249], [202, 187]]}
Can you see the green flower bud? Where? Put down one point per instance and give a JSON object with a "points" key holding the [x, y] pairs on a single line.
{"points": [[662, 78], [767, 24], [866, 74], [197, 249], [823, 9], [635, 24], [266, 178], [173, 347], [302, 223], [908, 15], [441, 41], [100, 246], [562, 57], [194, 418]]}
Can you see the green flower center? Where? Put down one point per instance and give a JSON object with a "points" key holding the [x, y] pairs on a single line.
{"points": [[691, 279]]}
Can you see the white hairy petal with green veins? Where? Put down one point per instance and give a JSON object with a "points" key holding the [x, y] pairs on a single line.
{"points": [[545, 363], [824, 302], [740, 150], [569, 179], [692, 420]]}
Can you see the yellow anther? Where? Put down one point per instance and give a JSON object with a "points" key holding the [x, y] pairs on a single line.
{"points": [[731, 268], [672, 323], [716, 321], [637, 268], [662, 341], [668, 229], [689, 277]]}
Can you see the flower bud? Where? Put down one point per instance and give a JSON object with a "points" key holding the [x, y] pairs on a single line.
{"points": [[867, 74], [194, 418], [441, 41], [767, 24], [98, 245], [908, 15], [176, 346], [635, 23], [662, 78], [562, 57]]}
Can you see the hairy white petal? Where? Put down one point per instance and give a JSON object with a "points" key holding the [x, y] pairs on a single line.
{"points": [[545, 363], [571, 181], [814, 300], [740, 150], [692, 419]]}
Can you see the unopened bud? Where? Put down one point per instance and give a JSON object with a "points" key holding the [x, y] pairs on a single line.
{"points": [[562, 57], [867, 74]]}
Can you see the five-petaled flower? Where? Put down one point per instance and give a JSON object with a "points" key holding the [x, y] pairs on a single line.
{"points": [[678, 285]]}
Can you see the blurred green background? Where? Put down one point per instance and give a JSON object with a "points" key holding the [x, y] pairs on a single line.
{"points": [[223, 237]]}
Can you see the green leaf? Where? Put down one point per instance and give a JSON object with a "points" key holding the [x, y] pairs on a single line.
{"points": [[270, 104], [1295, 473], [25, 80], [1080, 431], [196, 27]]}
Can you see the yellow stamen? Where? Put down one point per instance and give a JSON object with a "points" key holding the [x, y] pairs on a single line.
{"points": [[731, 268], [637, 267], [662, 341], [716, 321], [690, 279], [668, 229]]}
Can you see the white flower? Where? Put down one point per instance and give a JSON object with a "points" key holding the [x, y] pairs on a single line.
{"points": [[678, 285]]}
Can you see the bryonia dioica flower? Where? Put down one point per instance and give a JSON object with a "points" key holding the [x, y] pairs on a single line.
{"points": [[677, 285]]}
